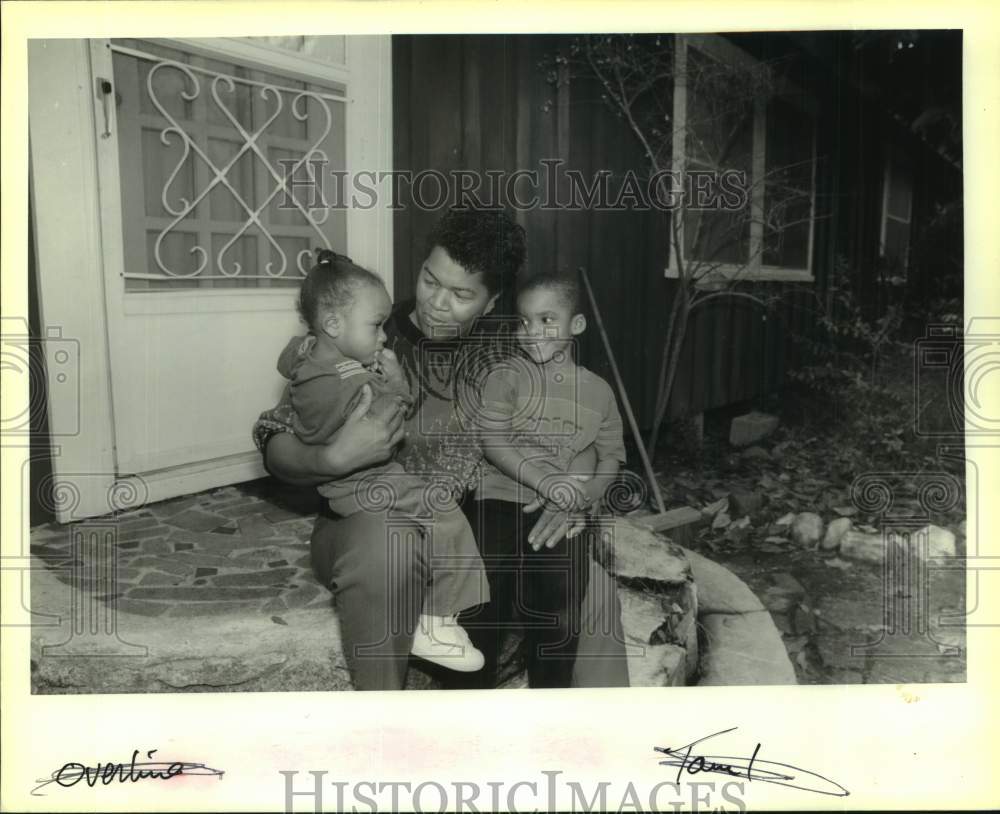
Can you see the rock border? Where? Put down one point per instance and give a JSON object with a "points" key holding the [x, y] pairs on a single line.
{"points": [[740, 645], [743, 646]]}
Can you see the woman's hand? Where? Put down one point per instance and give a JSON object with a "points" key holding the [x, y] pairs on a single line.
{"points": [[553, 524], [389, 363], [363, 440], [367, 438], [565, 492], [594, 488]]}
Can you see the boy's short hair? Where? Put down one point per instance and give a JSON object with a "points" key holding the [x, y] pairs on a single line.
{"points": [[330, 286], [485, 241], [564, 285]]}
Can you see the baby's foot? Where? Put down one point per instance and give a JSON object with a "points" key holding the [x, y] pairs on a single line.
{"points": [[441, 640]]}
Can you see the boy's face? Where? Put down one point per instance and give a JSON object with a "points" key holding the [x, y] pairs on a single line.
{"points": [[449, 298], [357, 330], [548, 325]]}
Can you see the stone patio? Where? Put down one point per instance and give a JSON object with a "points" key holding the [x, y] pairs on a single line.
{"points": [[219, 552], [215, 591]]}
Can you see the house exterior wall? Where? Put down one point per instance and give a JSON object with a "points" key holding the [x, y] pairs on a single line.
{"points": [[158, 389], [935, 254], [483, 103]]}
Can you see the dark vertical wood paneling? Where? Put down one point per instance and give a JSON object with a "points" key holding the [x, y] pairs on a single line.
{"points": [[564, 236], [479, 103], [652, 318], [520, 49], [738, 326], [402, 157], [657, 294], [716, 374], [535, 141], [472, 112], [495, 113], [597, 260], [428, 107]]}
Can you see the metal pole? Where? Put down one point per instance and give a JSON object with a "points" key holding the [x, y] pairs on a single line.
{"points": [[625, 401]]}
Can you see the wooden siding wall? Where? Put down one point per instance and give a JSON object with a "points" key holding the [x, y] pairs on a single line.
{"points": [[869, 135], [482, 103]]}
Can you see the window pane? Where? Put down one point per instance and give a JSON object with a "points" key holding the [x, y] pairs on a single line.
{"points": [[324, 48], [199, 144], [900, 191], [719, 137], [299, 253], [174, 254], [223, 204], [713, 234], [788, 185], [284, 207], [159, 160], [231, 101], [168, 85], [287, 123], [788, 246], [719, 114], [897, 242], [227, 252]]}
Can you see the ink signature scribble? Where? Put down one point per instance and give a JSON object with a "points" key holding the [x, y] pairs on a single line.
{"points": [[750, 768], [69, 774]]}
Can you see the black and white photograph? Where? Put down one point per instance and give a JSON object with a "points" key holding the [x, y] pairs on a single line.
{"points": [[483, 361]]}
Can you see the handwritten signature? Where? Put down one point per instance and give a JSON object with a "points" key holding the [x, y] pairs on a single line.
{"points": [[751, 768], [69, 774]]}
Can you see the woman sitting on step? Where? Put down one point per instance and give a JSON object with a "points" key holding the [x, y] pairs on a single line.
{"points": [[377, 567]]}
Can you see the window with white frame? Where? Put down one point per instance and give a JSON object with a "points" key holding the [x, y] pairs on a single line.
{"points": [[734, 115], [206, 147], [897, 212]]}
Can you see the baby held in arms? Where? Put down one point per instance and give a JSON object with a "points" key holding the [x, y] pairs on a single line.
{"points": [[344, 307]]}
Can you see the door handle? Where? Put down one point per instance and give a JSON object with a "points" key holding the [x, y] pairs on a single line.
{"points": [[104, 90]]}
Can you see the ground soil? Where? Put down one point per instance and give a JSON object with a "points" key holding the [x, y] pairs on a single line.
{"points": [[843, 621]]}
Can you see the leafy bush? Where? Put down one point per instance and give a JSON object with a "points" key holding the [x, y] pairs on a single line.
{"points": [[841, 375]]}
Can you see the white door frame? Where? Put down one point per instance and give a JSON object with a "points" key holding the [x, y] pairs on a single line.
{"points": [[78, 227], [70, 266]]}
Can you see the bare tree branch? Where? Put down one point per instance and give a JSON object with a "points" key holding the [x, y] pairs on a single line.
{"points": [[638, 75]]}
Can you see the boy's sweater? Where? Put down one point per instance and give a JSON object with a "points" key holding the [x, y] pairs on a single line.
{"points": [[549, 413]]}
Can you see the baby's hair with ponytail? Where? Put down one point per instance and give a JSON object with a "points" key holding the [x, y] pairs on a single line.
{"points": [[330, 286]]}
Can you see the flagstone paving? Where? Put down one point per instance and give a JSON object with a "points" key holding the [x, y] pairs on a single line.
{"points": [[237, 560], [222, 551]]}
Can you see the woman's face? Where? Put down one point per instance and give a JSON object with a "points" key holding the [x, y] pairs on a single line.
{"points": [[449, 299]]}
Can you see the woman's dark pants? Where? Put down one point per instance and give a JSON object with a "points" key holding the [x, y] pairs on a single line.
{"points": [[567, 605]]}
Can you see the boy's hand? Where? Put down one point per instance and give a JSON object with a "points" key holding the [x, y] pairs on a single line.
{"points": [[552, 525], [565, 492]]}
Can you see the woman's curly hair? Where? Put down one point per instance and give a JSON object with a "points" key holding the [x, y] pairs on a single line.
{"points": [[485, 241]]}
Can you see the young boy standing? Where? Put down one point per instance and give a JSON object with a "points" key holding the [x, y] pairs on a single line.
{"points": [[539, 409]]}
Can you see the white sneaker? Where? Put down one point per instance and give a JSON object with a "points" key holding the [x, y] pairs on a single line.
{"points": [[441, 640]]}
